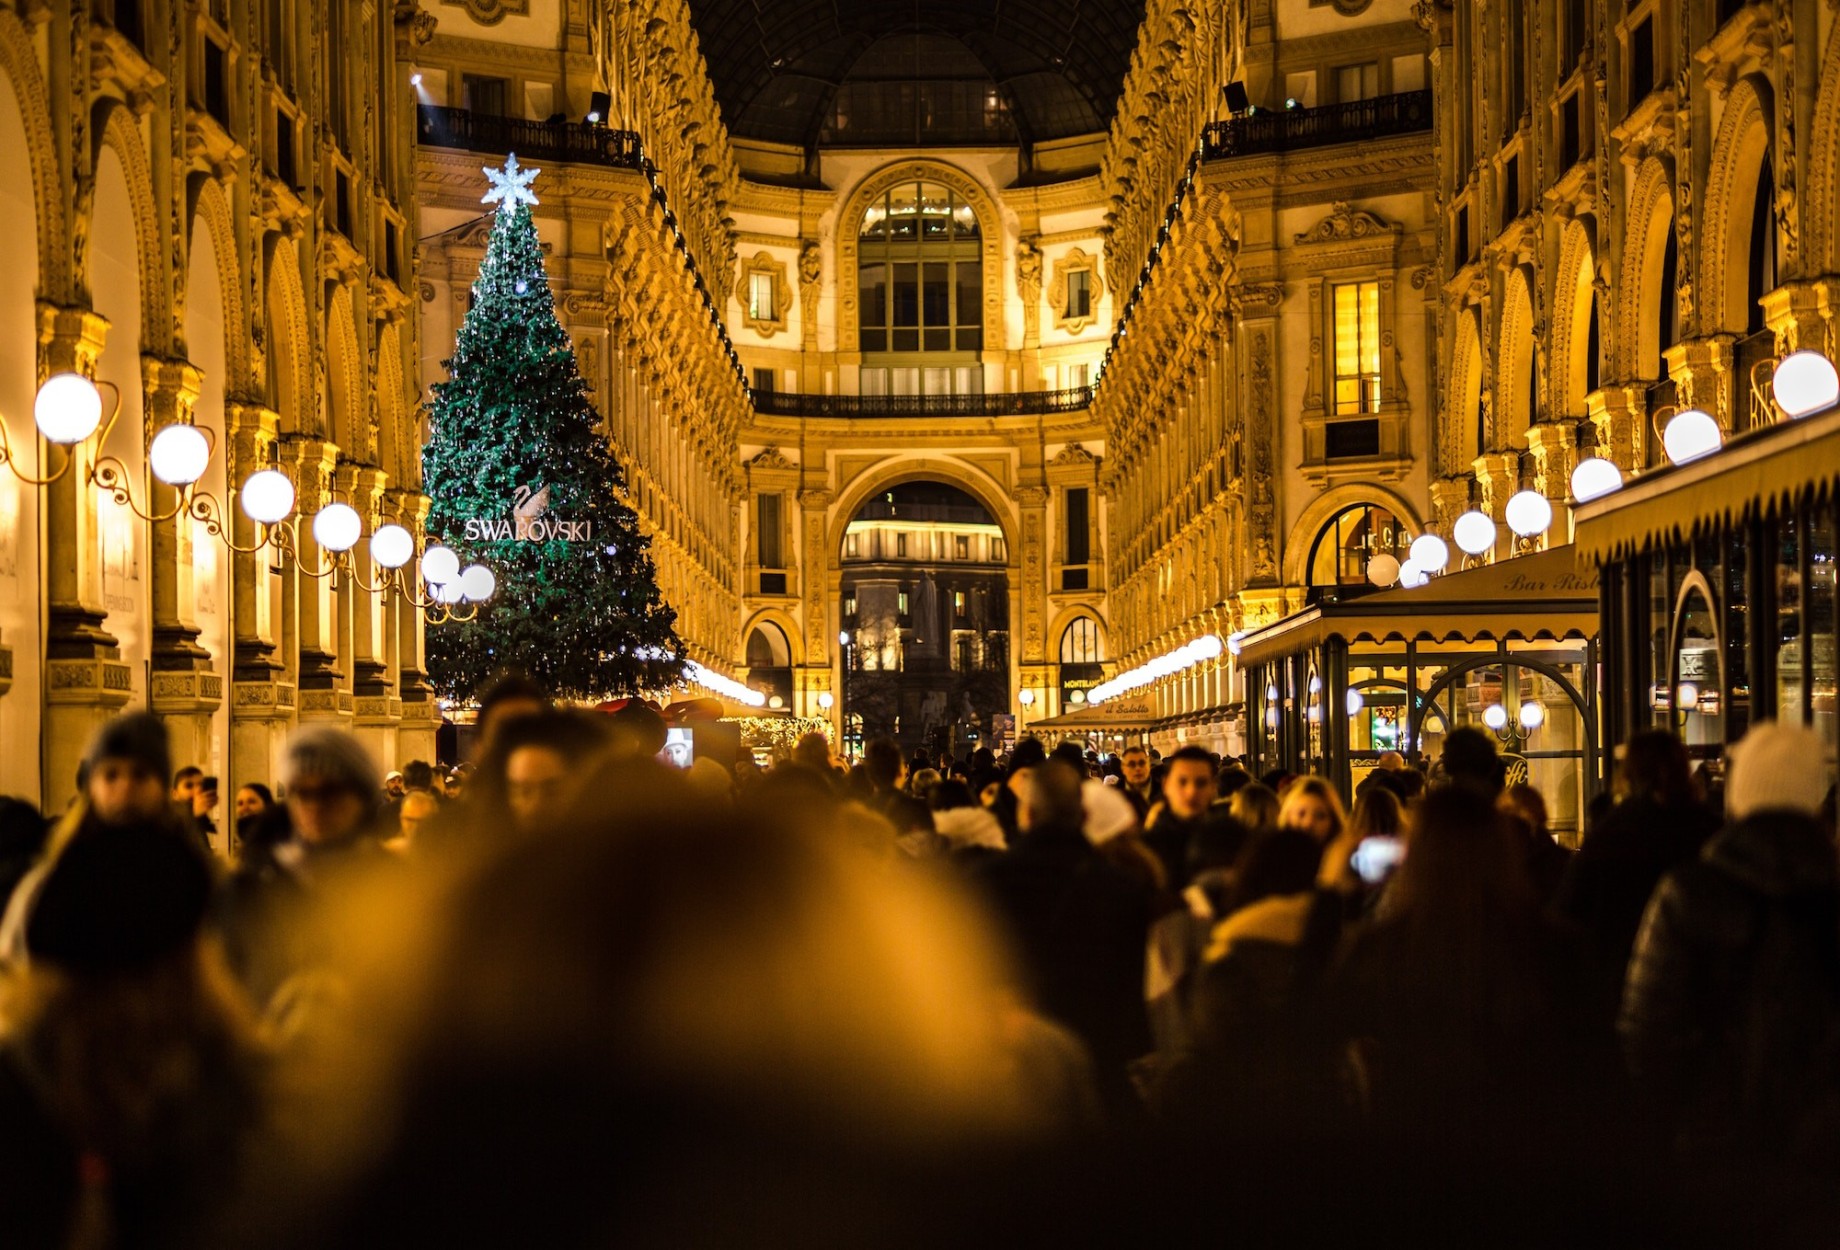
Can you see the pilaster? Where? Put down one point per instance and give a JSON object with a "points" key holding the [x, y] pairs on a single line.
{"points": [[310, 461], [1801, 314], [1703, 378], [363, 488], [171, 389], [1555, 452], [253, 430], [1620, 414], [1449, 500], [1499, 476]]}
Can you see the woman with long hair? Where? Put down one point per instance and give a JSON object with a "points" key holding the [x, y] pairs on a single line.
{"points": [[1464, 1008]]}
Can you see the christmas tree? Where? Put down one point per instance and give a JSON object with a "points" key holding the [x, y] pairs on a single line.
{"points": [[520, 477]]}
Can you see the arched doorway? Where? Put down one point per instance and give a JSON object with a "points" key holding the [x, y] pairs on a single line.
{"points": [[769, 664], [1339, 555], [925, 612]]}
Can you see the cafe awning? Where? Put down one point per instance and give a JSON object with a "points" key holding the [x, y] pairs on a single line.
{"points": [[1548, 595], [1779, 464], [1118, 716]]}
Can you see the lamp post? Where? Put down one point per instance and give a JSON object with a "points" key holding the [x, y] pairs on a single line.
{"points": [[843, 686]]}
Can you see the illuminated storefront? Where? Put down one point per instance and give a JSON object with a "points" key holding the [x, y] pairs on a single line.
{"points": [[1719, 588], [1509, 648]]}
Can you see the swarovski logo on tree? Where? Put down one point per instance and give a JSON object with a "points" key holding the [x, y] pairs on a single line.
{"points": [[519, 475]]}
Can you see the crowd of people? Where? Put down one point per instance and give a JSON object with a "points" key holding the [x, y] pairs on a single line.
{"points": [[570, 994]]}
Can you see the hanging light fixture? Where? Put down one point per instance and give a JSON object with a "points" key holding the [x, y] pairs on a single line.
{"points": [[1691, 435], [1529, 515], [1474, 532], [1805, 382], [1430, 553], [1595, 478]]}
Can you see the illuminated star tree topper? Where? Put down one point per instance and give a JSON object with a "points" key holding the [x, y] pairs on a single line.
{"points": [[510, 185]]}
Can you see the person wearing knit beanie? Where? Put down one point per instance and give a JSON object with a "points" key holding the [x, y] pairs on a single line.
{"points": [[127, 768], [118, 899], [1777, 766]]}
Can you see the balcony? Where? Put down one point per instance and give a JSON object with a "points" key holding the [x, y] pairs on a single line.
{"points": [[441, 127], [1292, 130], [1013, 404]]}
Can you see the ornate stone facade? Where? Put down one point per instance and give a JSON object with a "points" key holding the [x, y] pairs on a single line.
{"points": [[220, 224], [1582, 169]]}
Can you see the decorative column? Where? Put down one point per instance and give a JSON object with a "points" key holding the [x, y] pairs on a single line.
{"points": [[185, 689], [1499, 475], [262, 698], [373, 701], [420, 713], [311, 462], [1620, 414], [1802, 315], [1449, 500], [1703, 377], [820, 638], [85, 680], [1031, 605]]}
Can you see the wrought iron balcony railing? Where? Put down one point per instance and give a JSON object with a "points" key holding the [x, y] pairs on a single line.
{"points": [[1358, 121], [1010, 404], [440, 127]]}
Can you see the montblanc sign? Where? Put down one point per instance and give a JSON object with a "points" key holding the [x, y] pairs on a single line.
{"points": [[529, 522]]}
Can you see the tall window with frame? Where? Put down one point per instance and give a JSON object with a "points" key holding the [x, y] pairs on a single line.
{"points": [[1357, 348], [1079, 295], [769, 509], [920, 280], [1357, 82], [763, 298]]}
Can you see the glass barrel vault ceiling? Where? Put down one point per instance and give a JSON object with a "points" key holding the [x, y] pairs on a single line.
{"points": [[885, 74]]}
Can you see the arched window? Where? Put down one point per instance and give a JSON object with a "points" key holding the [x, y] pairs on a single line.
{"points": [[769, 662], [1082, 660], [1080, 642], [1351, 538], [920, 274]]}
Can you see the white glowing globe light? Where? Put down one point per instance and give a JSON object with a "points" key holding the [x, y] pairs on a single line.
{"points": [[336, 527], [1076, 696], [1595, 478], [1528, 513], [1805, 382], [179, 454], [1271, 693], [1355, 702], [1411, 576], [1689, 696], [1495, 716], [68, 408], [392, 546], [1430, 553], [449, 592], [1315, 685], [1233, 643], [1026, 697], [1691, 435], [1474, 532], [1533, 715], [268, 497], [440, 565], [1383, 569], [1209, 646], [477, 583], [825, 701]]}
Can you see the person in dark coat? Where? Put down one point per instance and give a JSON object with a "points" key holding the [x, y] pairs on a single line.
{"points": [[1731, 1016], [1657, 825], [129, 1070], [1077, 923], [1462, 1003], [1188, 792]]}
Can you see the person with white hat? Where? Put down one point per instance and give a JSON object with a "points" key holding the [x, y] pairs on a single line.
{"points": [[1732, 1004]]}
